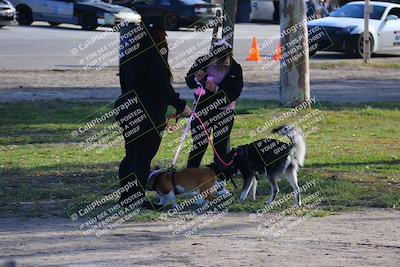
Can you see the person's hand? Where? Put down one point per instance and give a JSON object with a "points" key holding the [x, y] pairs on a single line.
{"points": [[200, 75], [187, 111], [211, 86]]}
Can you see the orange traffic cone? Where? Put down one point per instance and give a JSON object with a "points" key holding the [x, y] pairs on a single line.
{"points": [[278, 54], [254, 53]]}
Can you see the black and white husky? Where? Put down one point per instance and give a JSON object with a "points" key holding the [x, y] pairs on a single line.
{"points": [[272, 157]]}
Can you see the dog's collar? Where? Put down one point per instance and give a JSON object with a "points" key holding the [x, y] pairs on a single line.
{"points": [[152, 179], [153, 173]]}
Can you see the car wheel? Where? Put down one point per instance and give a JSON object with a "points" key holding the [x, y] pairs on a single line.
{"points": [[359, 47], [171, 21], [24, 15], [54, 24], [88, 21]]}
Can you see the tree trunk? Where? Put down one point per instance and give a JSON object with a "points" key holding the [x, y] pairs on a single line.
{"points": [[367, 43], [229, 21], [295, 77]]}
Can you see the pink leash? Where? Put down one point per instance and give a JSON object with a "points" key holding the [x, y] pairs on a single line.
{"points": [[211, 143], [199, 91]]}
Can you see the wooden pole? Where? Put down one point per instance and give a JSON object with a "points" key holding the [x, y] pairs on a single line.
{"points": [[367, 41], [229, 21], [294, 71]]}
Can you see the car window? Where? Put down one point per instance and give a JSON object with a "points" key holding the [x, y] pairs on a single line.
{"points": [[165, 2], [357, 11], [395, 11]]}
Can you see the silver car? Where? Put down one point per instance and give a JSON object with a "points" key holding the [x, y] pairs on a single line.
{"points": [[7, 13], [90, 14]]}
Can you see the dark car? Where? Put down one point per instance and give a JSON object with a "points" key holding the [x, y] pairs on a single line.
{"points": [[88, 13], [176, 13]]}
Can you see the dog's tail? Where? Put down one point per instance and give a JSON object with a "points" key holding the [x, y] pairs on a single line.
{"points": [[296, 136]]}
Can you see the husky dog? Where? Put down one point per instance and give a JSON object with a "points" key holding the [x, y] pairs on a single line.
{"points": [[272, 157]]}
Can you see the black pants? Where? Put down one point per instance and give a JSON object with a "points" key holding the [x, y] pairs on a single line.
{"points": [[220, 124], [140, 145], [136, 163]]}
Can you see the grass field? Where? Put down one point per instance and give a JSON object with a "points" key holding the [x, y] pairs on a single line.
{"points": [[353, 155]]}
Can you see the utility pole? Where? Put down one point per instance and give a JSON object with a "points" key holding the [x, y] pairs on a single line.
{"points": [[229, 21], [367, 41], [295, 75]]}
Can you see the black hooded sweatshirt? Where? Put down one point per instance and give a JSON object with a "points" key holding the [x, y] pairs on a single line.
{"points": [[145, 73]]}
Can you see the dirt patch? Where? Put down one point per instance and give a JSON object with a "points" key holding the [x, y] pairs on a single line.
{"points": [[344, 84], [368, 237]]}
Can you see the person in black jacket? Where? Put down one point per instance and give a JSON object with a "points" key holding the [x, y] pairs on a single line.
{"points": [[222, 78], [145, 80]]}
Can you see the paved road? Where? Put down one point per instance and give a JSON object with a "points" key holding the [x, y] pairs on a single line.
{"points": [[43, 47]]}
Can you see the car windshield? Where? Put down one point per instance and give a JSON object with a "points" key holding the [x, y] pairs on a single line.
{"points": [[357, 11]]}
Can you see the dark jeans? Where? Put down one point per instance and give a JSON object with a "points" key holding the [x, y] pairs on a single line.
{"points": [[220, 124], [136, 163], [142, 141]]}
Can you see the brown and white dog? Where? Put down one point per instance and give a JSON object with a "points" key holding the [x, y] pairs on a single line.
{"points": [[195, 181]]}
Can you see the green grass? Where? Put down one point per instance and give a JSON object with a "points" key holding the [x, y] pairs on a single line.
{"points": [[354, 156]]}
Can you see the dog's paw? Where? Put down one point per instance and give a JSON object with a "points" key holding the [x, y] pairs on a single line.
{"points": [[221, 192]]}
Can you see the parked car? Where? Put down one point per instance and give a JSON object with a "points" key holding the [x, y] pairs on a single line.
{"points": [[344, 29], [88, 13], [7, 13], [343, 2], [176, 13], [262, 10]]}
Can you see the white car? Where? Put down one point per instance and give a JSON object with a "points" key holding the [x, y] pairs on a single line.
{"points": [[90, 14], [262, 10], [343, 30], [7, 13]]}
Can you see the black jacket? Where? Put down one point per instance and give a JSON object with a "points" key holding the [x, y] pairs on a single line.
{"points": [[229, 89], [145, 74]]}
